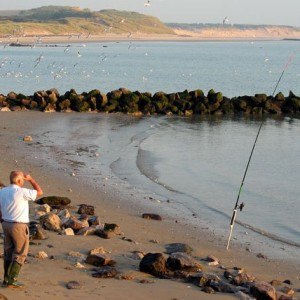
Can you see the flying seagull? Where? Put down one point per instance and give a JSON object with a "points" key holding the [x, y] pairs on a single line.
{"points": [[147, 4], [225, 20]]}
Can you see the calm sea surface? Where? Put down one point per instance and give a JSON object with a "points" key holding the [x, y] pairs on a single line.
{"points": [[198, 162]]}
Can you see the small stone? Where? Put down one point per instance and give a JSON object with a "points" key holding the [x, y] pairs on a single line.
{"points": [[71, 285], [112, 228], [75, 224], [99, 260], [27, 138], [78, 265], [287, 281], [64, 214], [137, 255], [105, 272], [213, 263], [76, 256], [125, 276], [260, 255], [149, 216], [41, 255], [154, 241], [99, 250]]}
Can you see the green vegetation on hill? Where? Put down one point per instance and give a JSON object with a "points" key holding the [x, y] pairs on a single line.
{"points": [[64, 20]]}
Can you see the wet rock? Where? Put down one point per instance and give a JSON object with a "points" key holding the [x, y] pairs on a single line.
{"points": [[94, 220], [75, 224], [178, 247], [263, 291], [99, 260], [67, 231], [154, 264], [112, 228], [71, 285], [51, 221], [54, 201], [86, 209], [149, 216], [105, 272], [287, 281], [182, 261], [104, 234], [36, 232]]}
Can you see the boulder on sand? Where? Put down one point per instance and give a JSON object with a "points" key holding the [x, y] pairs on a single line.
{"points": [[154, 264], [54, 201]]}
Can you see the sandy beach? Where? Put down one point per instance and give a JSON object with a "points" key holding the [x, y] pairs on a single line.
{"points": [[47, 278]]}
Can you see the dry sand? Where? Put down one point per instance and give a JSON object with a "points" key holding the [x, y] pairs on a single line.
{"points": [[46, 278]]}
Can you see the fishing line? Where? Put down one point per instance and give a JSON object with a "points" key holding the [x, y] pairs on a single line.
{"points": [[241, 206]]}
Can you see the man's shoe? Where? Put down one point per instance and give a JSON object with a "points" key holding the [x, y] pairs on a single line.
{"points": [[13, 275], [7, 264]]}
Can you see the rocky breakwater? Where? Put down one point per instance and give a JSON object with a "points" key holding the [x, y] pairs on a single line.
{"points": [[125, 101]]}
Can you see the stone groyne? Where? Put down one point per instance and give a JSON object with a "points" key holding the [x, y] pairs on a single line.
{"points": [[125, 101]]}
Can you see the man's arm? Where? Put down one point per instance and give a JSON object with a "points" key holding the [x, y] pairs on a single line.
{"points": [[34, 184]]}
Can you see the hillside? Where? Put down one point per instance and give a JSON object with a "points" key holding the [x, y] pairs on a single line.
{"points": [[64, 20], [235, 31]]}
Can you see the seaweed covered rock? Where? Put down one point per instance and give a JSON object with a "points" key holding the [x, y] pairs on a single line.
{"points": [[54, 201]]}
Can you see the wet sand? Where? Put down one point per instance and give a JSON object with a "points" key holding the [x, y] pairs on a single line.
{"points": [[47, 278]]}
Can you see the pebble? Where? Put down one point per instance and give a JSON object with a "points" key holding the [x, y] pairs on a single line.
{"points": [[27, 138], [73, 285], [41, 255]]}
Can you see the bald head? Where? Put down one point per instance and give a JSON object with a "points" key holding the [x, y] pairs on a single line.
{"points": [[16, 177]]}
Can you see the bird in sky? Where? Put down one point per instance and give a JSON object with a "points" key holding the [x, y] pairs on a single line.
{"points": [[147, 4], [225, 20]]}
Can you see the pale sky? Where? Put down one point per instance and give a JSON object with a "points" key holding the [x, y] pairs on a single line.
{"points": [[273, 12]]}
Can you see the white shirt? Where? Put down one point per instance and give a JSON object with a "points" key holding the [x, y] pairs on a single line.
{"points": [[14, 204]]}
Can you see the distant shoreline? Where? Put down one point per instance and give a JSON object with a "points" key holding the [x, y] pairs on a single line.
{"points": [[59, 39]]}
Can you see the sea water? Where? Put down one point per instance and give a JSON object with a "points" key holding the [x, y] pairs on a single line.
{"points": [[196, 164], [234, 68]]}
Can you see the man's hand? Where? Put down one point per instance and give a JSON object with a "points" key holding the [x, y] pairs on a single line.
{"points": [[27, 177]]}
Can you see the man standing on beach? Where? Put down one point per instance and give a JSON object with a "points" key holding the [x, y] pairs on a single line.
{"points": [[14, 215]]}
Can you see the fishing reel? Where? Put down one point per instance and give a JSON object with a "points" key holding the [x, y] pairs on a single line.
{"points": [[241, 206]]}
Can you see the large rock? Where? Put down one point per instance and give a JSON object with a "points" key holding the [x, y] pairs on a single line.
{"points": [[51, 221], [263, 291], [54, 201], [183, 261], [75, 224], [154, 264]]}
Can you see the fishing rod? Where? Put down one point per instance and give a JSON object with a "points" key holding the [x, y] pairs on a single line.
{"points": [[241, 206]]}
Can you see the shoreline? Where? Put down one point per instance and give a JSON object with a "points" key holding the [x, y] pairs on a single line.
{"points": [[112, 206], [59, 39]]}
